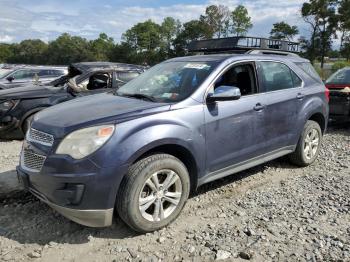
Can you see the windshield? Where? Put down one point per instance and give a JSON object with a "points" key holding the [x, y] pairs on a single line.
{"points": [[169, 81], [340, 77], [5, 72]]}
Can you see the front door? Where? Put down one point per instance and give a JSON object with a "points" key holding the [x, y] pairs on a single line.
{"points": [[232, 127]]}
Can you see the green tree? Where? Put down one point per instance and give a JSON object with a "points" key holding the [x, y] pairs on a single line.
{"points": [[144, 36], [6, 52], [240, 21], [344, 20], [102, 47], [68, 49], [192, 30], [29, 52], [170, 29], [284, 31], [146, 39], [345, 49], [321, 15], [217, 18]]}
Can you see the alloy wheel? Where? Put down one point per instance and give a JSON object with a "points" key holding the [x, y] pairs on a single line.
{"points": [[311, 143], [160, 195]]}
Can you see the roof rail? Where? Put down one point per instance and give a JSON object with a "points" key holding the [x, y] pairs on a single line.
{"points": [[271, 52], [242, 44]]}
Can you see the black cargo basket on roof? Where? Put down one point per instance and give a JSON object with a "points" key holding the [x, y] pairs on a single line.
{"points": [[242, 44]]}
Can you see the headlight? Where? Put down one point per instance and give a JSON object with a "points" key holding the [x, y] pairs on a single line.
{"points": [[84, 142], [7, 105]]}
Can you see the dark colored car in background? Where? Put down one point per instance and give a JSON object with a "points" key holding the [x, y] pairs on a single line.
{"points": [[18, 105], [21, 75], [339, 87], [181, 124]]}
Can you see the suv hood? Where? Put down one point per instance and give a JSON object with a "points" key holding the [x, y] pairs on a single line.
{"points": [[92, 110], [28, 91]]}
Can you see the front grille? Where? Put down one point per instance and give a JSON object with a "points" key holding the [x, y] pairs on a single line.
{"points": [[32, 161], [40, 137]]}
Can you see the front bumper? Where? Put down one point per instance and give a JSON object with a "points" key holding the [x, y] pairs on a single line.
{"points": [[86, 217], [80, 190]]}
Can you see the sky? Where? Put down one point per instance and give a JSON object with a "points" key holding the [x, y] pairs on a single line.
{"points": [[47, 19]]}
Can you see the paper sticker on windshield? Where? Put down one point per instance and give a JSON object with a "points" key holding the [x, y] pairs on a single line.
{"points": [[197, 66]]}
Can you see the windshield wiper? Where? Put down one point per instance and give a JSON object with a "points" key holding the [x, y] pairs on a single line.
{"points": [[139, 96]]}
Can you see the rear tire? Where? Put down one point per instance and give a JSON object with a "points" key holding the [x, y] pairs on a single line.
{"points": [[153, 192], [308, 145]]}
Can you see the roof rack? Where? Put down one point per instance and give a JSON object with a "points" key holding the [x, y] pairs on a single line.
{"points": [[242, 44]]}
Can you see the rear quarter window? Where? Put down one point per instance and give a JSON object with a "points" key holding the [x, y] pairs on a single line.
{"points": [[310, 70]]}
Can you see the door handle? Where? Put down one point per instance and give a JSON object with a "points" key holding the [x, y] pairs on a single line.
{"points": [[300, 96], [259, 107]]}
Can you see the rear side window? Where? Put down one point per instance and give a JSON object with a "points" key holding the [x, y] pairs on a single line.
{"points": [[127, 76], [310, 70], [44, 73], [50, 73], [277, 76], [340, 77]]}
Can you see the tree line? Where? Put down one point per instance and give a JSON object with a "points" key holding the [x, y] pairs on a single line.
{"points": [[150, 42]]}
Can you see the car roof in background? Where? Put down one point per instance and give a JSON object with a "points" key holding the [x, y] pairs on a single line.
{"points": [[65, 69], [91, 66]]}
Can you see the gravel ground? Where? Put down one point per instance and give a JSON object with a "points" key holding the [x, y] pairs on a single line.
{"points": [[273, 212]]}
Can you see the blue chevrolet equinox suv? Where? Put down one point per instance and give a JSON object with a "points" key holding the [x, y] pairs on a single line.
{"points": [[141, 150]]}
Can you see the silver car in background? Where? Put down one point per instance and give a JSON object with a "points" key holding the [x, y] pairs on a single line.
{"points": [[20, 75]]}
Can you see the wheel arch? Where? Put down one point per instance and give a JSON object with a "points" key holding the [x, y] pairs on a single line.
{"points": [[30, 113], [181, 152], [320, 119]]}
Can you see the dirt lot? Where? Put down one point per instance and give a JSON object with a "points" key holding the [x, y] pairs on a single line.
{"points": [[274, 212]]}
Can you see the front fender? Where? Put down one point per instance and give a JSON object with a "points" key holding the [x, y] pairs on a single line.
{"points": [[134, 138]]}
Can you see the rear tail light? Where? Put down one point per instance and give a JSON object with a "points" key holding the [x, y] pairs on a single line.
{"points": [[327, 94]]}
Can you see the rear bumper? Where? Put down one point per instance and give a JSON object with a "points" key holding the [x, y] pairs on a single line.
{"points": [[86, 217], [339, 106], [339, 118]]}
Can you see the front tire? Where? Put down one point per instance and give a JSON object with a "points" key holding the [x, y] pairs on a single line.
{"points": [[308, 145], [26, 124], [153, 193]]}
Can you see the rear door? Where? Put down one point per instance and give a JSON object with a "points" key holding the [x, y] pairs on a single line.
{"points": [[280, 94]]}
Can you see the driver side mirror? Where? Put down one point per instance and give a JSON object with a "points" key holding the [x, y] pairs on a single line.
{"points": [[10, 78], [224, 93]]}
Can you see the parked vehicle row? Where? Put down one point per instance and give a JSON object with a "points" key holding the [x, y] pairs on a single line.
{"points": [[18, 105], [142, 149]]}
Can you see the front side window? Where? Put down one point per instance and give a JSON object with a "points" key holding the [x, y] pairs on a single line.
{"points": [[241, 76], [169, 81], [276, 76], [94, 82], [22, 74]]}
